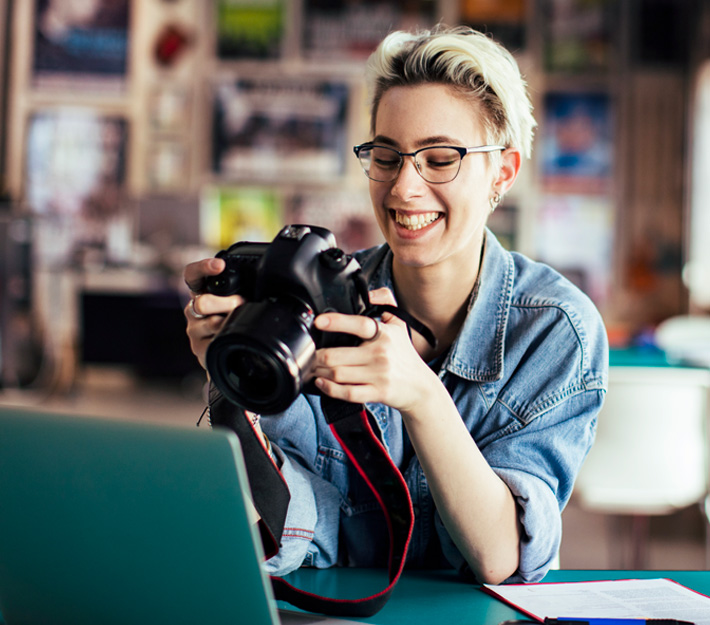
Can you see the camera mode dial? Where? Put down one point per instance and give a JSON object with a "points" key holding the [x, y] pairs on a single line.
{"points": [[334, 259]]}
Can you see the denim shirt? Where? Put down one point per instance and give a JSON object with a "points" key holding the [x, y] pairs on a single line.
{"points": [[528, 374]]}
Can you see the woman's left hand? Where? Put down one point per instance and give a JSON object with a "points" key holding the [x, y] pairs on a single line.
{"points": [[384, 368], [476, 506]]}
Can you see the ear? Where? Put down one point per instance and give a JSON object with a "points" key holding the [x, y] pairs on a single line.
{"points": [[509, 168]]}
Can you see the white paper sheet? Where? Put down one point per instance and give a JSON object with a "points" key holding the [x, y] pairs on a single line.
{"points": [[633, 598]]}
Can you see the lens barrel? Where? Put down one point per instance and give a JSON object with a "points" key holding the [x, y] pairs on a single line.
{"points": [[264, 354]]}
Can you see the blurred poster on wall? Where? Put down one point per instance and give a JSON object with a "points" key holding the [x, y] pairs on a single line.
{"points": [[577, 143], [504, 20], [575, 236], [341, 30], [281, 129], [577, 35], [74, 179], [81, 42], [347, 214], [231, 214], [250, 29]]}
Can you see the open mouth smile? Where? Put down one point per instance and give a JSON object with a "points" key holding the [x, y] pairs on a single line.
{"points": [[417, 221]]}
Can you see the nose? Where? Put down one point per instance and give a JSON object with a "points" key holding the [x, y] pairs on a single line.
{"points": [[408, 182]]}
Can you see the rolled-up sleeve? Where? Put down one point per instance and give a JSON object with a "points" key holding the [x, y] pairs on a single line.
{"points": [[313, 516], [539, 463], [310, 535]]}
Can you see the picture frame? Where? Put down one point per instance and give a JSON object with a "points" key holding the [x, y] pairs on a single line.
{"points": [[287, 128], [577, 143], [81, 44]]}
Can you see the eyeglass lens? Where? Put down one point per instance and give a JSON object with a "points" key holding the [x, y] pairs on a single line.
{"points": [[435, 164]]}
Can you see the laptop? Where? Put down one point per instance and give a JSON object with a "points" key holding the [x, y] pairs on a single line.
{"points": [[124, 522]]}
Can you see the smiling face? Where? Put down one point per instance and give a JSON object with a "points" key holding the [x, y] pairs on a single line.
{"points": [[429, 224]]}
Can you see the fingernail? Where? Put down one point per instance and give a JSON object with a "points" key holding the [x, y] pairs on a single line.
{"points": [[322, 322]]}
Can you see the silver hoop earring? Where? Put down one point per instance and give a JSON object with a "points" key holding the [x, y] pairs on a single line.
{"points": [[494, 201]]}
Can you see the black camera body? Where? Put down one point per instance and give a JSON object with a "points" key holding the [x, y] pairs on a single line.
{"points": [[262, 358]]}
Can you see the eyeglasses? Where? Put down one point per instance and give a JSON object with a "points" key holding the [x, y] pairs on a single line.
{"points": [[436, 164]]}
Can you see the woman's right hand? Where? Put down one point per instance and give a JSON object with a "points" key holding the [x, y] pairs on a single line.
{"points": [[205, 313]]}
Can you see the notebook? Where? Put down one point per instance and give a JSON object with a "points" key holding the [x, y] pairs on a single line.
{"points": [[108, 521]]}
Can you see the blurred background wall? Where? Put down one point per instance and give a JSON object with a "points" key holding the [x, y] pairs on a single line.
{"points": [[138, 136]]}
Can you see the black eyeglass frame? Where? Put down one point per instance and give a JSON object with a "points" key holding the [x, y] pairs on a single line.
{"points": [[480, 149]]}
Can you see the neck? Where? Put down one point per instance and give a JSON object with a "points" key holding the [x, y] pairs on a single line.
{"points": [[437, 296]]}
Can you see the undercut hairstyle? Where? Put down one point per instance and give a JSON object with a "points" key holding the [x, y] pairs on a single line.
{"points": [[477, 68]]}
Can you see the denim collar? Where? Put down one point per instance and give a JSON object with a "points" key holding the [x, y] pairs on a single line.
{"points": [[477, 354]]}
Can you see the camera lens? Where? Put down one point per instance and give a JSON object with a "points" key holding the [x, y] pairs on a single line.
{"points": [[252, 372], [264, 354]]}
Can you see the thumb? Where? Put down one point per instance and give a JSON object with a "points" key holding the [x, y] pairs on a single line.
{"points": [[382, 295]]}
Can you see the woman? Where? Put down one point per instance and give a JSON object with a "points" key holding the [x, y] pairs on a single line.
{"points": [[490, 428]]}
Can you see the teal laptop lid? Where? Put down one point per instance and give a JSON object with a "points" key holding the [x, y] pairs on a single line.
{"points": [[105, 521]]}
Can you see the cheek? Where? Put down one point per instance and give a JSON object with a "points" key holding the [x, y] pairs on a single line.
{"points": [[377, 198], [375, 193], [474, 193]]}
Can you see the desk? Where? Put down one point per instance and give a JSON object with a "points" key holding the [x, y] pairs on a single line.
{"points": [[426, 597], [429, 597]]}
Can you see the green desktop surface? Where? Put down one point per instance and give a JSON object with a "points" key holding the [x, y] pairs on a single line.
{"points": [[440, 597]]}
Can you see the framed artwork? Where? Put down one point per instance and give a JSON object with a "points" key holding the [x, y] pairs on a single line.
{"points": [[250, 30], [281, 129], [81, 43], [577, 143], [575, 235], [342, 30], [231, 214], [577, 35], [75, 170]]}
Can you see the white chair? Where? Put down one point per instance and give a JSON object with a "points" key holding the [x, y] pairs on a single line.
{"points": [[650, 456]]}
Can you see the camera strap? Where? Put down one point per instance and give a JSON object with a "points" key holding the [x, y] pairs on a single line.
{"points": [[354, 427], [264, 476]]}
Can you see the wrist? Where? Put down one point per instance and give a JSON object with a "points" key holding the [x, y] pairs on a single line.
{"points": [[427, 394]]}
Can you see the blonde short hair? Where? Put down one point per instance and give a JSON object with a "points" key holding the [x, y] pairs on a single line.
{"points": [[477, 67]]}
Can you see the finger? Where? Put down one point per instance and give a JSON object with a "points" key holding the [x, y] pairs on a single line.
{"points": [[331, 358], [191, 308], [345, 375], [201, 330], [364, 328], [204, 326], [206, 304], [382, 295], [357, 393], [206, 313], [195, 273]]}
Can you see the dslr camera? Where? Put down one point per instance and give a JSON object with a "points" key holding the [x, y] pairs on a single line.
{"points": [[262, 358]]}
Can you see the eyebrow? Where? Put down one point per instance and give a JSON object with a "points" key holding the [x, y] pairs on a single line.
{"points": [[427, 141]]}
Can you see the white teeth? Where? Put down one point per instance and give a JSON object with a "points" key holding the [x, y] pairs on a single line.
{"points": [[416, 222]]}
